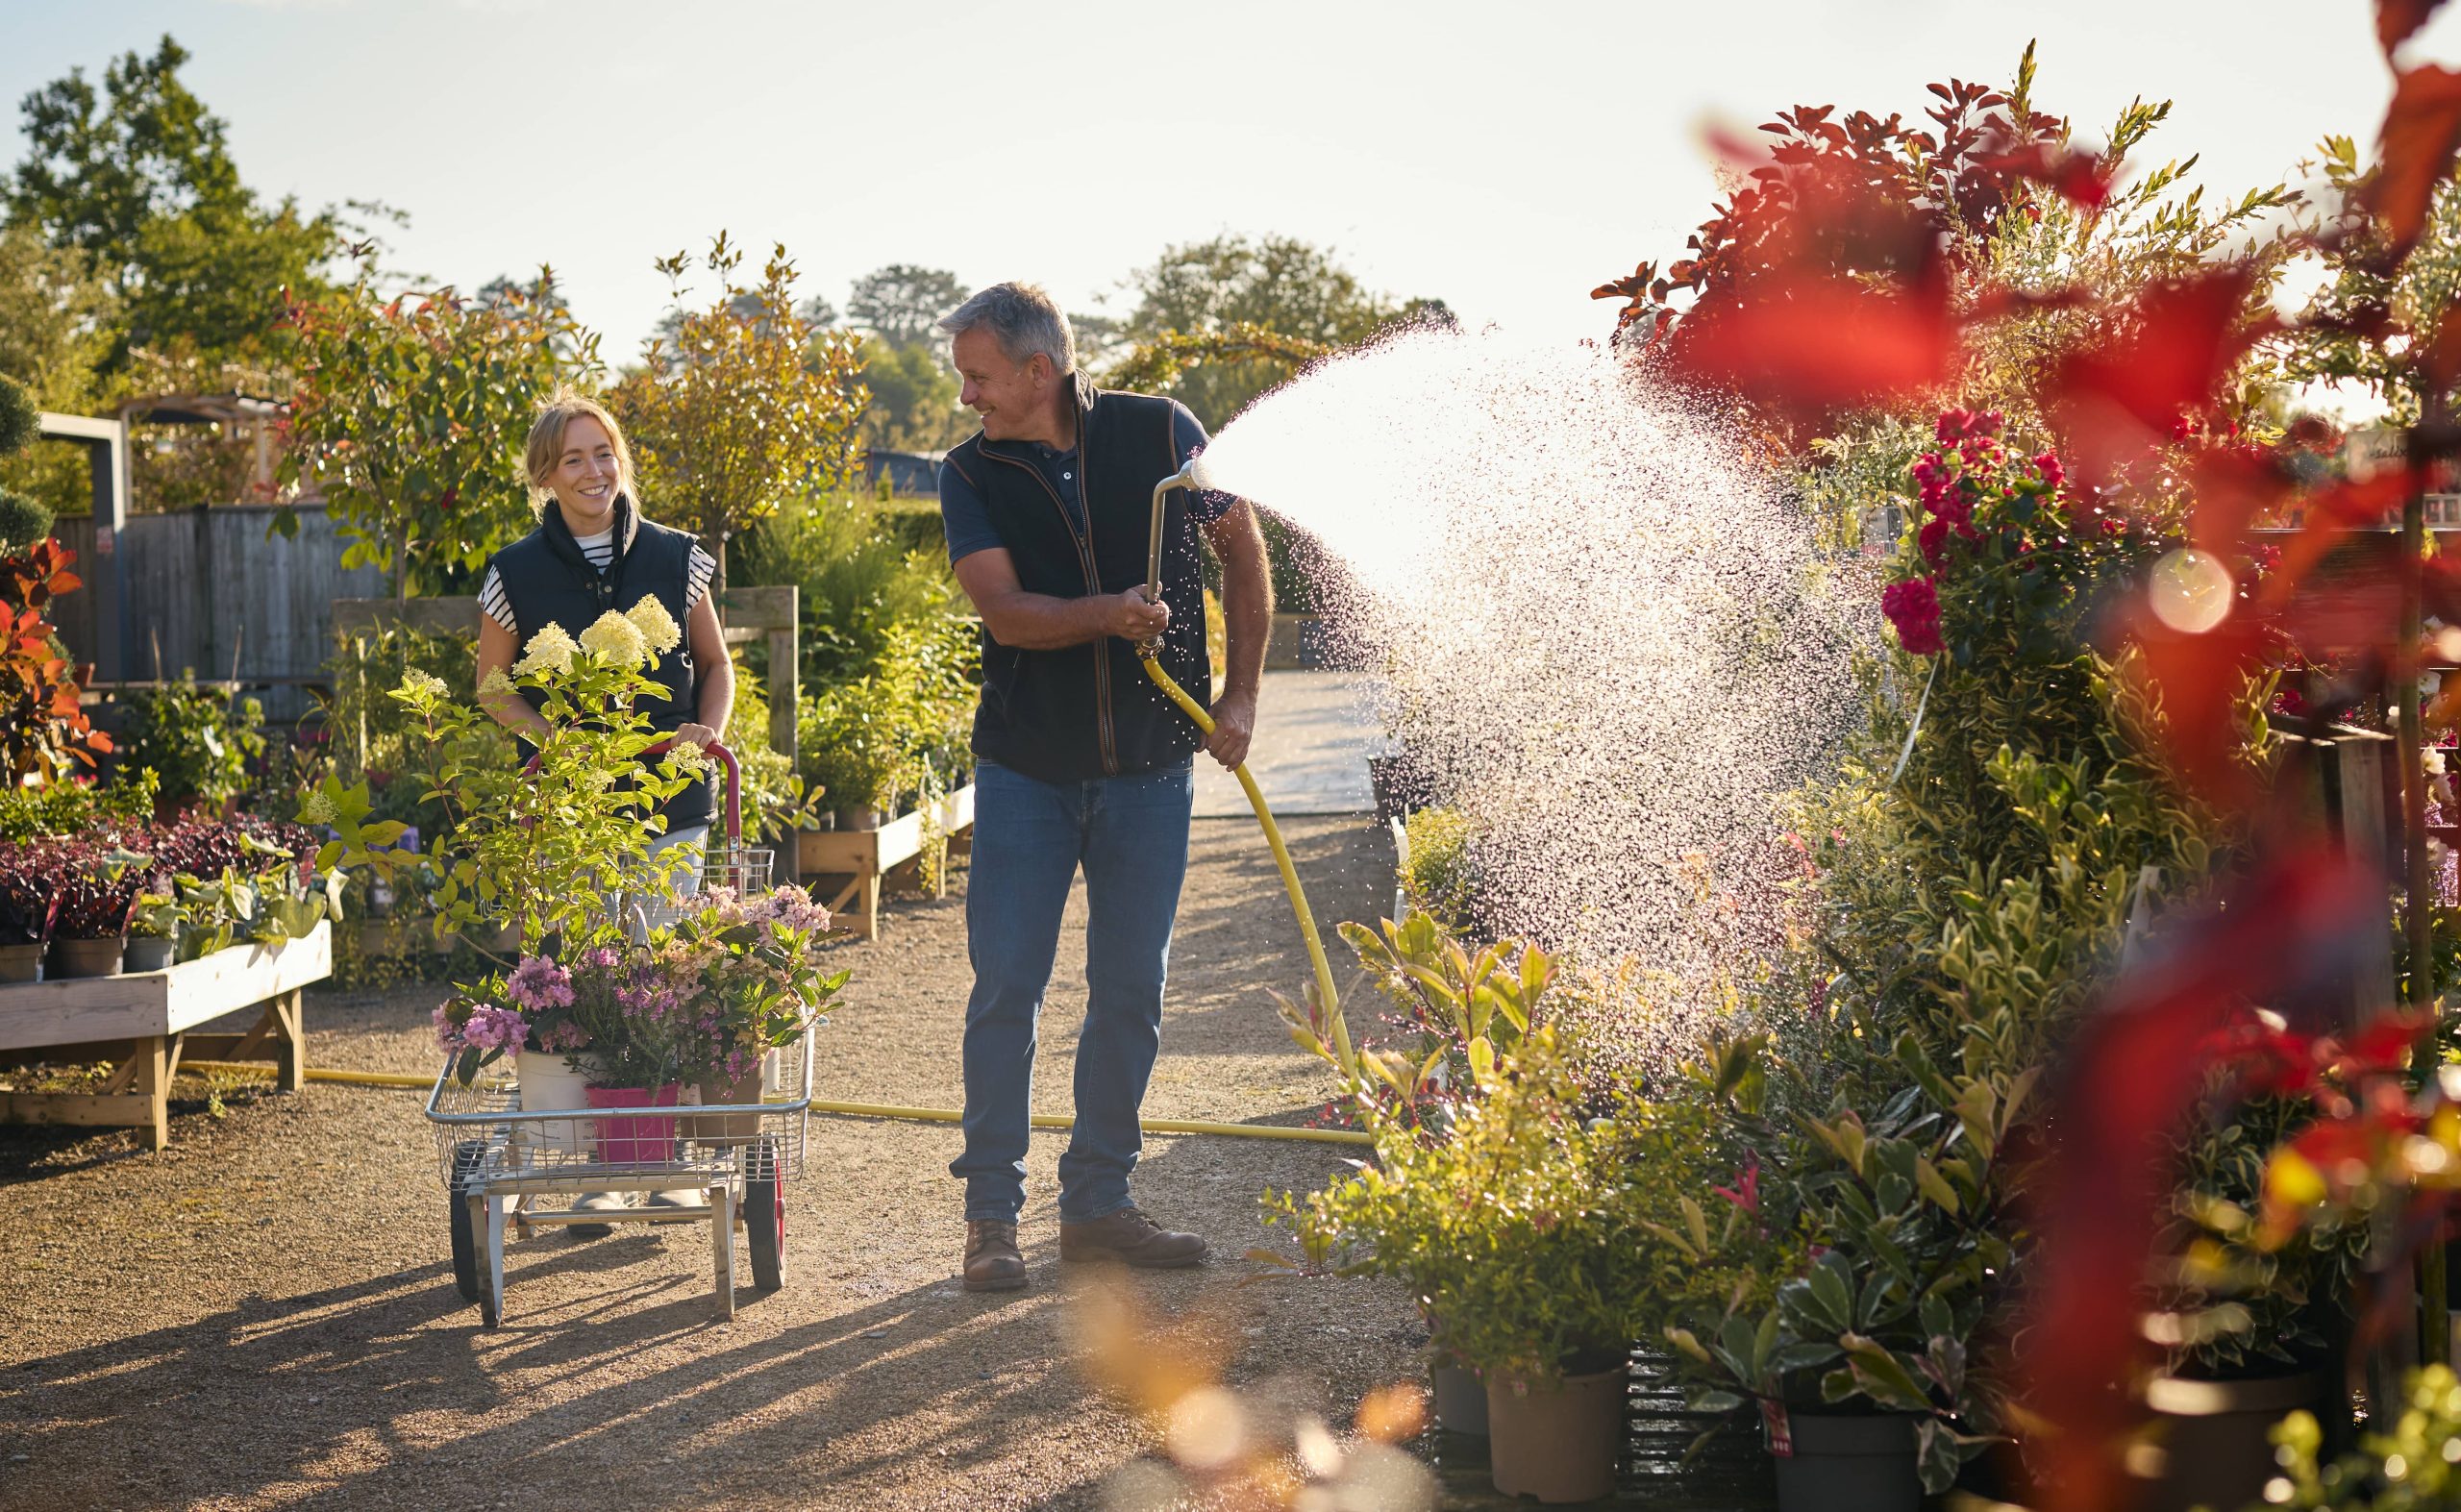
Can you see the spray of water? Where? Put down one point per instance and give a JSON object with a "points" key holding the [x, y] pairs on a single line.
{"points": [[1597, 628]]}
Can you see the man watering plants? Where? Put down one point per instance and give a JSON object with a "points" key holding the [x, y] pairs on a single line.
{"points": [[1081, 763]]}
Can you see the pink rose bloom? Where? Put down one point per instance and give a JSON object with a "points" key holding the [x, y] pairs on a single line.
{"points": [[1913, 607]]}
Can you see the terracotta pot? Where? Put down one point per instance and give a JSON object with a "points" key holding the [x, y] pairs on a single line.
{"points": [[729, 1127], [21, 962], [2209, 1448], [1460, 1400], [88, 957], [1841, 1462], [1556, 1439], [637, 1137], [147, 953]]}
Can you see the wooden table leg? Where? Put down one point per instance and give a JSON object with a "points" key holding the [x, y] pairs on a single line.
{"points": [[291, 1038], [154, 1062]]}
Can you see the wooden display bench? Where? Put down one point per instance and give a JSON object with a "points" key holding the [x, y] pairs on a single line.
{"points": [[865, 856], [140, 1022]]}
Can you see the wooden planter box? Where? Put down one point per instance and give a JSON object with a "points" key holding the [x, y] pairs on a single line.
{"points": [[139, 1021], [864, 857]]}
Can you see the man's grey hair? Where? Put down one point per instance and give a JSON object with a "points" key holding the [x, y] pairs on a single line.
{"points": [[1024, 320]]}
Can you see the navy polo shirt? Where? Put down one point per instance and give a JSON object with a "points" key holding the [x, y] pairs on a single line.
{"points": [[966, 518]]}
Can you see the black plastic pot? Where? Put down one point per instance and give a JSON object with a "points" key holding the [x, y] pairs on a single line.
{"points": [[1460, 1400], [1836, 1462], [2209, 1445]]}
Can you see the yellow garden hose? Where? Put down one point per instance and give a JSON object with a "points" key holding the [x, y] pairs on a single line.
{"points": [[1324, 994], [920, 1115]]}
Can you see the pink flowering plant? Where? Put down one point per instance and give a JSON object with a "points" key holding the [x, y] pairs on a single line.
{"points": [[477, 1030], [2007, 557], [734, 978]]}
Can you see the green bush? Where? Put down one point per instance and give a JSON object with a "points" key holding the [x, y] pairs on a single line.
{"points": [[197, 741], [859, 580], [377, 739], [58, 808], [23, 521], [1440, 880], [1538, 1238], [871, 740]]}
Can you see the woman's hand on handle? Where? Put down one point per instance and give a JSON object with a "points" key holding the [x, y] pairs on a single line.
{"points": [[698, 734]]}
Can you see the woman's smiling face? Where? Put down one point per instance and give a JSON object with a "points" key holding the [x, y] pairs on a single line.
{"points": [[587, 477]]}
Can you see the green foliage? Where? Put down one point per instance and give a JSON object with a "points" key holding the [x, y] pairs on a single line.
{"points": [[20, 420], [1281, 299], [1528, 1231], [866, 740], [197, 741], [1441, 879], [902, 304], [69, 809], [772, 793], [1472, 1009], [2409, 1469], [749, 405], [859, 580], [549, 848], [23, 521], [412, 414], [914, 399], [380, 742], [138, 175]]}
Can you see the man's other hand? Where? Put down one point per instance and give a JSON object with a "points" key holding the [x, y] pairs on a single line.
{"points": [[1133, 618], [1234, 726]]}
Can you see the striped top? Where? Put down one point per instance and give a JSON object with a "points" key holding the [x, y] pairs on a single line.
{"points": [[600, 551]]}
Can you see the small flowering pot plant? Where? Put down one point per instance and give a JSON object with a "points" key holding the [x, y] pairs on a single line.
{"points": [[545, 847]]}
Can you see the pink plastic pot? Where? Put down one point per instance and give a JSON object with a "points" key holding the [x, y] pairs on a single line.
{"points": [[636, 1137]]}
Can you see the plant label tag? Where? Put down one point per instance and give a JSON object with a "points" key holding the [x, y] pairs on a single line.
{"points": [[1781, 1434]]}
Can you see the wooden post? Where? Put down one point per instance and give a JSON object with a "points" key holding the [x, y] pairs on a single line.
{"points": [[2418, 901]]}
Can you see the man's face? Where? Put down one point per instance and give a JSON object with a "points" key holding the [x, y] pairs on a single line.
{"points": [[1009, 397]]}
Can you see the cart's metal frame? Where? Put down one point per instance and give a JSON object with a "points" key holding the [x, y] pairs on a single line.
{"points": [[503, 1165]]}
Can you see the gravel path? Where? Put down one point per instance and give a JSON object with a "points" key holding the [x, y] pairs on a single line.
{"points": [[263, 1315]]}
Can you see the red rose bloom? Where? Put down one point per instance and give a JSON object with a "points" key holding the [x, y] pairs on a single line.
{"points": [[1914, 608]]}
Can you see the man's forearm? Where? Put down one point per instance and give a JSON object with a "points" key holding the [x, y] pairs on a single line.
{"points": [[1042, 622], [1247, 608]]}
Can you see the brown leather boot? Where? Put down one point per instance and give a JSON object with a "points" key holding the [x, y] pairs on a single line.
{"points": [[992, 1263], [1131, 1238]]}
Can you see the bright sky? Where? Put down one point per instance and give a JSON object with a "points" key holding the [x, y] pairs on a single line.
{"points": [[1506, 157]]}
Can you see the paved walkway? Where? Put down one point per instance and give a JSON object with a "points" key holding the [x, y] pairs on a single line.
{"points": [[1313, 732]]}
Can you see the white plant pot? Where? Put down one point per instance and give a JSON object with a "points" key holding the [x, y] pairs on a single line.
{"points": [[549, 1086]]}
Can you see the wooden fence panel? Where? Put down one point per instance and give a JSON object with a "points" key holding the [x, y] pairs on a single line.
{"points": [[208, 589]]}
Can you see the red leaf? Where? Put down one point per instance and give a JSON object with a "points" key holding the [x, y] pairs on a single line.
{"points": [[2168, 358], [1813, 344], [2397, 19], [2421, 133]]}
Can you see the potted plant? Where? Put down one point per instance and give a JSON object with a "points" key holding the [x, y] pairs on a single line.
{"points": [[746, 979], [2248, 1328], [153, 931], [97, 893], [1860, 1365], [29, 906]]}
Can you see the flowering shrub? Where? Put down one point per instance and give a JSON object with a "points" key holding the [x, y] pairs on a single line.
{"points": [[701, 1000], [2006, 556], [548, 847]]}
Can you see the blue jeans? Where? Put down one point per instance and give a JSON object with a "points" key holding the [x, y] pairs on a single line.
{"points": [[1130, 836]]}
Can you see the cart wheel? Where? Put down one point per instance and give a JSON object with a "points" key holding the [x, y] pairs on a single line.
{"points": [[764, 1217], [466, 1241]]}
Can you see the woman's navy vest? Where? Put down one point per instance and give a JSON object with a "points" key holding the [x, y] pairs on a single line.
{"points": [[1088, 712], [549, 581]]}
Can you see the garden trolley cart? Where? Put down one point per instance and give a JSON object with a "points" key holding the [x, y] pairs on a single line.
{"points": [[506, 1165]]}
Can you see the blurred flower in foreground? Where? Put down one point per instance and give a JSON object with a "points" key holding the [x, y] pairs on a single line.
{"points": [[1222, 1449]]}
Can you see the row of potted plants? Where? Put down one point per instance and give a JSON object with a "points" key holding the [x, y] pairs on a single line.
{"points": [[1824, 1218], [131, 894]]}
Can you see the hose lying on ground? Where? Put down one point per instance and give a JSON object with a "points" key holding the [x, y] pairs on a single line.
{"points": [[920, 1115]]}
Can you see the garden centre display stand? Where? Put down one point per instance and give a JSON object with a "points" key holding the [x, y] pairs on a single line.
{"points": [[864, 857], [140, 1022]]}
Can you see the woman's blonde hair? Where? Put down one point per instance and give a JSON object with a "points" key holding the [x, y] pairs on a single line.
{"points": [[547, 447]]}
